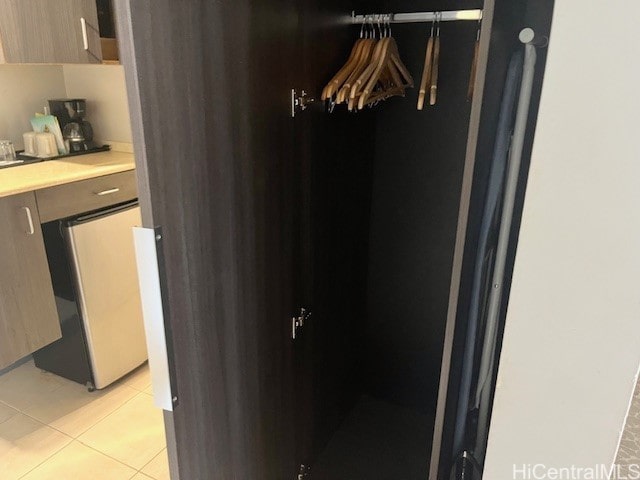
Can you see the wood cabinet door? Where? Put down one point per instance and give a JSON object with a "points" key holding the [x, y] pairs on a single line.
{"points": [[209, 88], [28, 315], [42, 31]]}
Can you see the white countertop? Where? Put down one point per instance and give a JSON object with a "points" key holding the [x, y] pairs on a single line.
{"points": [[34, 176]]}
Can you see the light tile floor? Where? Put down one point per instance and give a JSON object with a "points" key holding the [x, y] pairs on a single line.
{"points": [[54, 429]]}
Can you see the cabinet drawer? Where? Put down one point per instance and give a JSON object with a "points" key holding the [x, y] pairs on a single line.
{"points": [[86, 195]]}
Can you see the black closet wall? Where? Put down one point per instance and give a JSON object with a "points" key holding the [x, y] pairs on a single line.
{"points": [[418, 165], [380, 195]]}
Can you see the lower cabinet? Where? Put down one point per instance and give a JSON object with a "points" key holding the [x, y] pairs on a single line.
{"points": [[28, 315]]}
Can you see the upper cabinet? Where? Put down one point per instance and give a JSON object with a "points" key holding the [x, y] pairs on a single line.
{"points": [[46, 31]]}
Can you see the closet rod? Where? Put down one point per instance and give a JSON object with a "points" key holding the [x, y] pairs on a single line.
{"points": [[416, 17]]}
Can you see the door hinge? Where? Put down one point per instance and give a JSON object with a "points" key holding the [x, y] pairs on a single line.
{"points": [[303, 473], [297, 322], [300, 102]]}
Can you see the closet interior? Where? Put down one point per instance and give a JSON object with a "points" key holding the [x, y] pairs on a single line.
{"points": [[380, 197]]}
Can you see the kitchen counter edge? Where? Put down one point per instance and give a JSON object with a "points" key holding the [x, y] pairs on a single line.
{"points": [[49, 173]]}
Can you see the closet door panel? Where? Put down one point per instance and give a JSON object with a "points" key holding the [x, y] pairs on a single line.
{"points": [[209, 94]]}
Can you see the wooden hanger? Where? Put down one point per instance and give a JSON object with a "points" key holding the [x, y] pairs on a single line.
{"points": [[390, 61], [384, 94], [335, 83], [387, 65], [394, 76], [363, 61], [426, 70], [377, 75], [397, 62], [366, 74], [375, 72], [337, 79], [433, 91], [390, 84]]}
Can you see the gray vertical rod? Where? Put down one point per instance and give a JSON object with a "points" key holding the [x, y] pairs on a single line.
{"points": [[483, 393]]}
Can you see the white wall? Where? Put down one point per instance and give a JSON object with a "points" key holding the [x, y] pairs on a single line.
{"points": [[572, 340], [24, 90], [104, 88]]}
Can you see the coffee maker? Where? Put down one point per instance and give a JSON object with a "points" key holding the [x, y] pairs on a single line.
{"points": [[76, 131]]}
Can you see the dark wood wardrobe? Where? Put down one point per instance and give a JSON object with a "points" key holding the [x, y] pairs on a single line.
{"points": [[365, 220]]}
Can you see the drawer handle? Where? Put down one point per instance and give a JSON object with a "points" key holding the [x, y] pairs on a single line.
{"points": [[32, 230], [108, 192], [85, 39]]}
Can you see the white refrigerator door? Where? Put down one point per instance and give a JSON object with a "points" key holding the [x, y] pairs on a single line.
{"points": [[107, 280]]}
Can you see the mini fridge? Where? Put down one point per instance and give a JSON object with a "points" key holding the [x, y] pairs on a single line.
{"points": [[93, 270]]}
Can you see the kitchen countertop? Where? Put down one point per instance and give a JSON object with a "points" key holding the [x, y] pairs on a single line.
{"points": [[34, 176]]}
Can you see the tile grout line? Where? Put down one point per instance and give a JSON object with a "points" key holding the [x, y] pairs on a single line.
{"points": [[112, 458], [139, 390], [50, 456], [147, 464], [65, 433], [59, 381], [74, 438], [125, 382], [19, 411], [10, 407], [106, 454], [107, 416], [136, 471], [64, 383], [91, 448]]}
